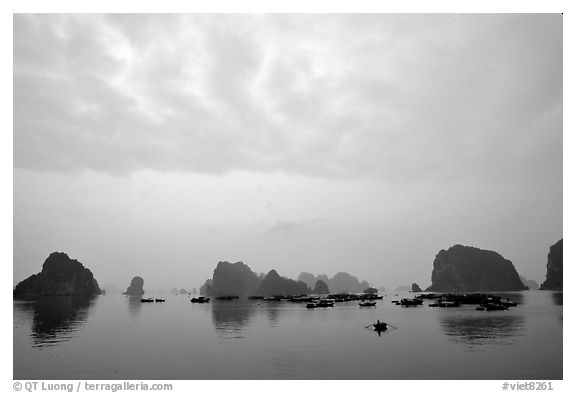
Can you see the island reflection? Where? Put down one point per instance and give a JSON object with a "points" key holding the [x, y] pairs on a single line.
{"points": [[134, 305], [480, 328], [272, 311], [557, 298], [56, 319], [231, 317]]}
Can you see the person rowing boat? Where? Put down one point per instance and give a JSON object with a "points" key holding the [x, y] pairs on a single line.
{"points": [[380, 325]]}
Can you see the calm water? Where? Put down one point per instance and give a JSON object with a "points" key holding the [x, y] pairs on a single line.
{"points": [[113, 337]]}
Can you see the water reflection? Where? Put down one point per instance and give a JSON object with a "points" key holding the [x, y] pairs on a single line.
{"points": [[557, 298], [272, 310], [230, 318], [381, 332], [56, 319], [134, 305], [479, 328]]}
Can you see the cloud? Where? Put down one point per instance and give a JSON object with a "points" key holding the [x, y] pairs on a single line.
{"points": [[400, 97]]}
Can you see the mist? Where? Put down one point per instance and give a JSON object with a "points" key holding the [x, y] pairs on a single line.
{"points": [[160, 145]]}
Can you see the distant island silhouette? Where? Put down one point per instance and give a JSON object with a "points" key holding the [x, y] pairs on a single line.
{"points": [[464, 268], [273, 285], [341, 282], [136, 287], [531, 284], [554, 268], [320, 288], [60, 276], [238, 279], [458, 269]]}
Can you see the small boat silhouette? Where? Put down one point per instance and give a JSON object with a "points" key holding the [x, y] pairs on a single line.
{"points": [[200, 299], [410, 302], [227, 297], [380, 326], [492, 307], [325, 303]]}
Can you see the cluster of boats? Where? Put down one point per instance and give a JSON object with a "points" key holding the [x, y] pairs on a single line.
{"points": [[279, 298], [152, 300], [492, 307], [444, 303], [352, 297], [330, 303], [322, 303], [227, 297], [497, 304], [483, 301], [408, 302], [366, 300]]}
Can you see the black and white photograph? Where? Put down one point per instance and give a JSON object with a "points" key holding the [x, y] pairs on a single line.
{"points": [[288, 196]]}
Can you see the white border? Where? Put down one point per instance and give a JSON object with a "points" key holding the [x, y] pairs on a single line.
{"points": [[309, 6]]}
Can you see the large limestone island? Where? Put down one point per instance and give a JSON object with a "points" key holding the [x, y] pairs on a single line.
{"points": [[234, 279], [239, 280], [320, 288], [341, 282], [136, 287], [531, 284], [60, 276], [274, 285], [554, 268], [463, 268]]}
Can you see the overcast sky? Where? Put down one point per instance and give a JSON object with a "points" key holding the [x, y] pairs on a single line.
{"points": [[158, 145]]}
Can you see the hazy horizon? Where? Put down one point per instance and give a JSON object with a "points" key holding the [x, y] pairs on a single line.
{"points": [[158, 145]]}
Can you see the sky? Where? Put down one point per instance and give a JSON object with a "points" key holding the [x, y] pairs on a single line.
{"points": [[158, 145]]}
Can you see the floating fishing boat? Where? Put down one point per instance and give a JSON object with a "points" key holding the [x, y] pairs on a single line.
{"points": [[301, 299], [495, 307], [273, 299], [445, 303], [200, 299], [367, 304], [380, 326], [410, 302], [158, 300], [228, 297], [508, 303], [370, 296], [492, 307], [147, 300]]}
